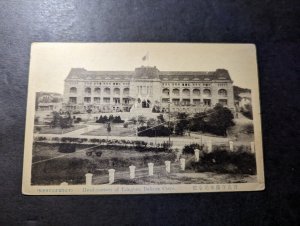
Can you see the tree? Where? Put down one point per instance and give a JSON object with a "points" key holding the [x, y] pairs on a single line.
{"points": [[219, 120], [133, 120], [197, 123], [63, 122], [55, 120], [160, 118], [66, 122], [141, 120], [151, 122], [182, 124], [108, 127], [247, 111]]}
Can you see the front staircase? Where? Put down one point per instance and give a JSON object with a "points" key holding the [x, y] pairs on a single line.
{"points": [[140, 111]]}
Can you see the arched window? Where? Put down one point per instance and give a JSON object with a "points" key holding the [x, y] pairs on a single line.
{"points": [[166, 91], [88, 90], [73, 90], [97, 90], [126, 91], [196, 92], [206, 92], [175, 92], [222, 92], [186, 92], [116, 91], [107, 90]]}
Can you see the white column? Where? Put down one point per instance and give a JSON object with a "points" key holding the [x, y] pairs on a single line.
{"points": [[182, 164], [150, 166], [111, 175], [209, 146], [132, 172], [168, 166], [197, 154], [88, 178], [231, 145], [252, 145]]}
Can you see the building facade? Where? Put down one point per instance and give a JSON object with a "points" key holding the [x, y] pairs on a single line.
{"points": [[48, 101], [146, 88]]}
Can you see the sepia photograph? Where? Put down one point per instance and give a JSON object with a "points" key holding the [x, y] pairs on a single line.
{"points": [[138, 118]]}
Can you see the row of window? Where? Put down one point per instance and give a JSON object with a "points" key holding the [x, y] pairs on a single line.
{"points": [[188, 84], [97, 100], [186, 102], [165, 91], [221, 92], [101, 83], [97, 90]]}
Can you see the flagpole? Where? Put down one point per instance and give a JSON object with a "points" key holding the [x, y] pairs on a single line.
{"points": [[147, 58]]}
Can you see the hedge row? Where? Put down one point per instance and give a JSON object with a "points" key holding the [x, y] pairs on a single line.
{"points": [[103, 141]]}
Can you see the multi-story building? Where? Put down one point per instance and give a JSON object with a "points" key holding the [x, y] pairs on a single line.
{"points": [[48, 101], [147, 88]]}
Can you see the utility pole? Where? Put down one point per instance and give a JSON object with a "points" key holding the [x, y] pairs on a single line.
{"points": [[169, 116], [169, 125]]}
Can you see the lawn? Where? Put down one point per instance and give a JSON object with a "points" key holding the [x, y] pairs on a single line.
{"points": [[116, 130], [57, 130], [72, 167]]}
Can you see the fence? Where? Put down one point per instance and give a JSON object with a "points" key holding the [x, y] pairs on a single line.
{"points": [[135, 173]]}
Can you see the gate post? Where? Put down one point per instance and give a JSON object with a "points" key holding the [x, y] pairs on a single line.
{"points": [[182, 164], [197, 153], [209, 146], [111, 176], [88, 178], [231, 145], [132, 172], [150, 166], [168, 166]]}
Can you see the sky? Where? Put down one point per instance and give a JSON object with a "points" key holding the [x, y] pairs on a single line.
{"points": [[51, 62]]}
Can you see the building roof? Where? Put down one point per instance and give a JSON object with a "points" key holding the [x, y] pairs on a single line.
{"points": [[149, 73]]}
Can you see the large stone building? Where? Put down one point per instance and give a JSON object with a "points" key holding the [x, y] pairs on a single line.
{"points": [[146, 88]]}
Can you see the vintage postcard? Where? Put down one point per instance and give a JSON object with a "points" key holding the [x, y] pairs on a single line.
{"points": [[140, 118]]}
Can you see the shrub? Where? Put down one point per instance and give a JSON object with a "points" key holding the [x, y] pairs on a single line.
{"points": [[77, 120], [67, 148], [41, 138], [224, 161], [133, 120], [38, 129], [55, 139], [249, 129], [190, 149], [159, 131], [117, 119], [36, 119], [102, 119], [95, 140], [76, 112]]}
